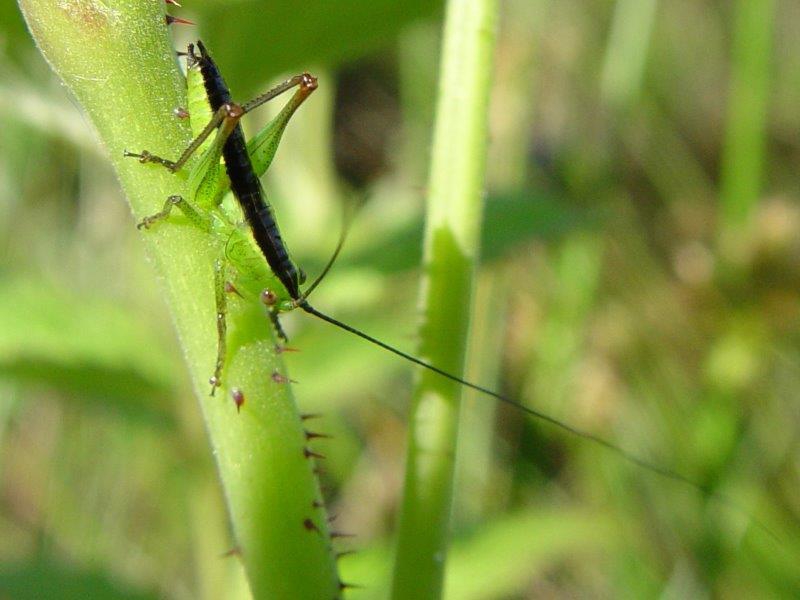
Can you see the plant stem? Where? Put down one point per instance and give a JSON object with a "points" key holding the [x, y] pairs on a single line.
{"points": [[117, 59], [451, 248], [626, 54], [745, 137]]}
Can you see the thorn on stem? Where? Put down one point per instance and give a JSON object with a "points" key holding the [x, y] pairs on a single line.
{"points": [[231, 289], [278, 378], [309, 525], [235, 551], [177, 20], [280, 348], [349, 586], [309, 453], [238, 398]]}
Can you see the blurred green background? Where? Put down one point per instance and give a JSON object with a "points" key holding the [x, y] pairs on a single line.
{"points": [[640, 279]]}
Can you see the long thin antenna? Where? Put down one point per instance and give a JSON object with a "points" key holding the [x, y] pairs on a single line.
{"points": [[334, 256], [626, 455]]}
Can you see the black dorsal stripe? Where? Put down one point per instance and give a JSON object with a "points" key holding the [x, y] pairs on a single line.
{"points": [[245, 184]]}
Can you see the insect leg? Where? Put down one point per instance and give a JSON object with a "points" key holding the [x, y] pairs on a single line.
{"points": [[147, 157], [304, 79], [222, 328], [276, 324], [197, 219], [263, 146], [270, 300]]}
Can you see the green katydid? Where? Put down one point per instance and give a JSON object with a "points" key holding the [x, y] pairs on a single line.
{"points": [[241, 267]]}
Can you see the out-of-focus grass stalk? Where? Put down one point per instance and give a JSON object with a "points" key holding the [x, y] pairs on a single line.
{"points": [[748, 98], [561, 342], [476, 481], [626, 53], [451, 248], [116, 58]]}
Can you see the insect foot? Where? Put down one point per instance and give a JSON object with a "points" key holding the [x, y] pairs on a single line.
{"points": [[144, 156]]}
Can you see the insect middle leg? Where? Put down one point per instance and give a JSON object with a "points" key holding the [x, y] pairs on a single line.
{"points": [[196, 218], [221, 304]]}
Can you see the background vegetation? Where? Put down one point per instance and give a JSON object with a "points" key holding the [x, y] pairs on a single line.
{"points": [[641, 275]]}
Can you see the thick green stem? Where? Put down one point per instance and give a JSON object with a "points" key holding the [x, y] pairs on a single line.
{"points": [[451, 247], [117, 59]]}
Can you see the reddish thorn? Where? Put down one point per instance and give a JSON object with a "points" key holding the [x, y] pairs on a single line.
{"points": [[181, 113], [306, 416], [173, 3], [238, 398], [308, 453], [332, 518], [231, 289], [313, 435], [278, 378], [279, 348], [235, 551], [339, 534], [349, 586], [310, 526], [177, 20], [344, 553]]}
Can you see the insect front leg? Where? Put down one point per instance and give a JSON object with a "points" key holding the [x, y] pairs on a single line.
{"points": [[145, 156]]}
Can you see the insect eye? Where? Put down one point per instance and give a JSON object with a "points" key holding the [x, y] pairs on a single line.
{"points": [[268, 297]]}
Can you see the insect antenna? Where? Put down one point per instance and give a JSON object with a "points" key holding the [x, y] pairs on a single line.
{"points": [[630, 457], [346, 219]]}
